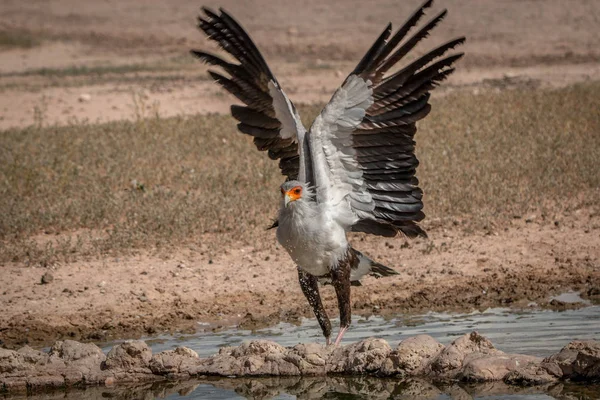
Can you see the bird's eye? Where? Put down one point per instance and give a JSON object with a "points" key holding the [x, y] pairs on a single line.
{"points": [[297, 191]]}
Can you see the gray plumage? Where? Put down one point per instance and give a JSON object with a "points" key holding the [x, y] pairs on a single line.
{"points": [[355, 169]]}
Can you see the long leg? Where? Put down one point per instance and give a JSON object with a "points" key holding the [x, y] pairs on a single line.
{"points": [[340, 278], [310, 288]]}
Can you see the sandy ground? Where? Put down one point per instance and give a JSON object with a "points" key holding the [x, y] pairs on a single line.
{"points": [[527, 261], [511, 43], [311, 49]]}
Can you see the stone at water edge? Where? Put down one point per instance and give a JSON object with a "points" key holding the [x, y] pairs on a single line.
{"points": [[413, 356], [363, 357], [179, 361], [468, 358], [579, 360], [132, 356]]}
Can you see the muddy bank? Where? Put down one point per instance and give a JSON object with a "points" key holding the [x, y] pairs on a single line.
{"points": [[470, 358], [257, 286]]}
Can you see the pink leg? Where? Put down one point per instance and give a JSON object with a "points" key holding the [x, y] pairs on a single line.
{"points": [[340, 335], [328, 341]]}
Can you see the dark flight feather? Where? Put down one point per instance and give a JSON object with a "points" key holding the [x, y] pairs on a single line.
{"points": [[248, 81]]}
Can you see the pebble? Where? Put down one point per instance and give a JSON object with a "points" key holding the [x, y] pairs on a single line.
{"points": [[47, 278]]}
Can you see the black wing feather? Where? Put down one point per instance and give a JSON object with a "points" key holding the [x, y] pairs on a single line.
{"points": [[384, 141], [248, 80]]}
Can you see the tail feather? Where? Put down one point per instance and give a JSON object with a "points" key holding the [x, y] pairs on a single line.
{"points": [[364, 265], [361, 266], [378, 270]]}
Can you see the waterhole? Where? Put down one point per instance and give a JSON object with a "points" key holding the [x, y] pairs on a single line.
{"points": [[530, 331]]}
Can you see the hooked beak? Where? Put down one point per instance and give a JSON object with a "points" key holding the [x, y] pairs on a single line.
{"points": [[292, 195]]}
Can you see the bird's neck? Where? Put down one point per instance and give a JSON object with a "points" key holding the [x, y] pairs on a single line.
{"points": [[298, 210]]}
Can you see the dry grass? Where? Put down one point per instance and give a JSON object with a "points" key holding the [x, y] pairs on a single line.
{"points": [[512, 153], [94, 190]]}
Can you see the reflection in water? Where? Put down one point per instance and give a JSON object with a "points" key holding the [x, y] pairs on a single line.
{"points": [[357, 387]]}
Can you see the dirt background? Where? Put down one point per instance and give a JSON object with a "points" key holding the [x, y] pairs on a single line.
{"points": [[311, 48]]}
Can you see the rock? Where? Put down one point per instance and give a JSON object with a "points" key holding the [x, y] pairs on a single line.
{"points": [[531, 374], [84, 97], [131, 356], [309, 358], [561, 364], [32, 356], [257, 347], [459, 353], [366, 356], [45, 382], [257, 357], [10, 361], [79, 358], [185, 351], [71, 351], [68, 363], [469, 358], [47, 278], [412, 356], [262, 357], [579, 360], [495, 367], [179, 361]]}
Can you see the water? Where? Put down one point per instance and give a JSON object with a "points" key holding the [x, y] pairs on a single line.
{"points": [[534, 332], [323, 388]]}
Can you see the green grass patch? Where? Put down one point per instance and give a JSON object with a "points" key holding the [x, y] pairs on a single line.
{"points": [[161, 183], [150, 81], [17, 39], [99, 70], [173, 70]]}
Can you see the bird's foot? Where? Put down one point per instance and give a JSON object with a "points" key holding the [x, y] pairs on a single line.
{"points": [[340, 335]]}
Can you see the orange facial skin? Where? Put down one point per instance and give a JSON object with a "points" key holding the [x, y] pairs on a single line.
{"points": [[294, 193]]}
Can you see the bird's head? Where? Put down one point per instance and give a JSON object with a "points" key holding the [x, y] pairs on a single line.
{"points": [[292, 191]]}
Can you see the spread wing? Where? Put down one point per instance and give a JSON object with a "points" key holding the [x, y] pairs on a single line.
{"points": [[362, 144], [268, 115]]}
